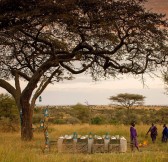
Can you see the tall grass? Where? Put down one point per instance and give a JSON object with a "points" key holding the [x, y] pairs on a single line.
{"points": [[12, 149]]}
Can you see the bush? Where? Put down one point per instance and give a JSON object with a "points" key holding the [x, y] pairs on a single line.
{"points": [[8, 107], [114, 121], [73, 120], [145, 119], [81, 112], [8, 126], [37, 118], [55, 120], [97, 120], [59, 121]]}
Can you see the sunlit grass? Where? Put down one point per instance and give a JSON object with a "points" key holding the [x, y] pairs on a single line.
{"points": [[12, 149]]}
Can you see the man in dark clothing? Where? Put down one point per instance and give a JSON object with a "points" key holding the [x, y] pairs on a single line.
{"points": [[153, 132], [164, 133]]}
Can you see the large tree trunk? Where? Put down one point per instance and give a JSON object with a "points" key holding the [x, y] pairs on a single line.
{"points": [[26, 124]]}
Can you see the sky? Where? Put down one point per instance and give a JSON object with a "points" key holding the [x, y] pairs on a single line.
{"points": [[158, 6], [85, 91]]}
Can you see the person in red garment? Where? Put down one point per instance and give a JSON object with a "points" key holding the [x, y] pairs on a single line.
{"points": [[133, 137]]}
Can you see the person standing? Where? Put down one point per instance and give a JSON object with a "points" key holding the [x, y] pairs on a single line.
{"points": [[133, 137], [164, 133], [153, 132]]}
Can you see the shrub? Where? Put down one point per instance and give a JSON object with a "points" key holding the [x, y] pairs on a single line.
{"points": [[8, 126], [81, 112], [59, 121], [8, 107], [98, 120], [37, 118], [114, 121], [72, 120]]}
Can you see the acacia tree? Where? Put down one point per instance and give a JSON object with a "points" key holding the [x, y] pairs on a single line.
{"points": [[128, 100], [46, 41]]}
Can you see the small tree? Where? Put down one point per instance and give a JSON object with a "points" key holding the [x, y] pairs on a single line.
{"points": [[128, 100]]}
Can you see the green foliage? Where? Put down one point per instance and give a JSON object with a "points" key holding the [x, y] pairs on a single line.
{"points": [[73, 120], [163, 113], [9, 116], [59, 121], [131, 117], [6, 125], [113, 121], [98, 120], [8, 107], [81, 112], [37, 118]]}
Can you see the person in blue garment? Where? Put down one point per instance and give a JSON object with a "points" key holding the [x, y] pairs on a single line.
{"points": [[165, 133]]}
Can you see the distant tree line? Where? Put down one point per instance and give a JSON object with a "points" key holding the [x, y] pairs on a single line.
{"points": [[79, 114]]}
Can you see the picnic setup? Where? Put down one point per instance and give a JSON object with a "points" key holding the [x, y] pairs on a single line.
{"points": [[76, 143], [91, 143]]}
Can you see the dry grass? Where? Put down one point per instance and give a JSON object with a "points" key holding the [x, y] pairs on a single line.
{"points": [[12, 149]]}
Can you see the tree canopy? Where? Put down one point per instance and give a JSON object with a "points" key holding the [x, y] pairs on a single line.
{"points": [[103, 37], [128, 100], [45, 41]]}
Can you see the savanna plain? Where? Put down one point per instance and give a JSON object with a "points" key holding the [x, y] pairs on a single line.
{"points": [[12, 149]]}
